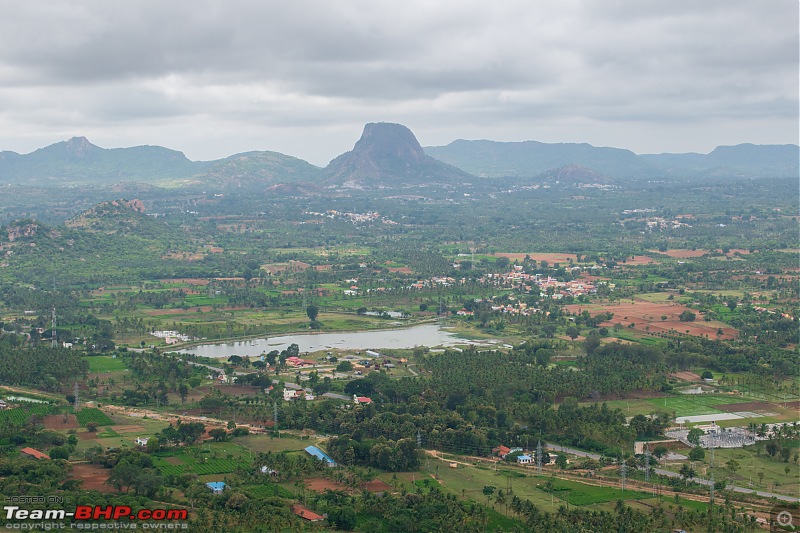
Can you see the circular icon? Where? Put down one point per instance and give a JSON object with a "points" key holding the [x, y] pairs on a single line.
{"points": [[785, 519]]}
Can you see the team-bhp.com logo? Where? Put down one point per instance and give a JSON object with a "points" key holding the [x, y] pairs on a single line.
{"points": [[122, 514]]}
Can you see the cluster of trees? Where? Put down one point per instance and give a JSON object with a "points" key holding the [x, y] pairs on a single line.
{"points": [[392, 456], [35, 364]]}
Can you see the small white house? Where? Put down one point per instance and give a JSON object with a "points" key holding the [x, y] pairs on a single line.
{"points": [[141, 441], [524, 459]]}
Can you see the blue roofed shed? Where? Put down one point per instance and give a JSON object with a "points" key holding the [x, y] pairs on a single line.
{"points": [[319, 454], [216, 486]]}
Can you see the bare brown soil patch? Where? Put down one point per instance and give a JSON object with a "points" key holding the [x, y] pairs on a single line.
{"points": [[638, 260], [401, 270], [754, 407], [792, 405], [686, 376], [128, 429], [59, 422], [318, 484], [683, 253], [93, 476], [646, 317], [173, 460], [188, 281], [243, 390], [549, 257], [377, 485], [183, 256]]}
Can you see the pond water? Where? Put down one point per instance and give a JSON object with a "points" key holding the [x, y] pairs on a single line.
{"points": [[403, 338]]}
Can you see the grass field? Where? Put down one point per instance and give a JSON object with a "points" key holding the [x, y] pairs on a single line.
{"points": [[265, 443], [105, 363], [582, 494], [693, 404], [775, 477]]}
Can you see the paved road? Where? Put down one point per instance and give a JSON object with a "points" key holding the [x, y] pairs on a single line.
{"points": [[669, 473]]}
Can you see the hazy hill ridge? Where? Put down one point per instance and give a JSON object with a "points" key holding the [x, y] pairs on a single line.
{"points": [[386, 155], [493, 159]]}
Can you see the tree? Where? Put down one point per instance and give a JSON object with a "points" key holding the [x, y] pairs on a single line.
{"points": [[572, 332], [697, 454], [488, 490], [561, 461], [183, 391], [218, 434], [694, 436], [732, 465], [312, 311], [660, 451], [591, 343], [687, 472], [687, 316], [344, 366]]}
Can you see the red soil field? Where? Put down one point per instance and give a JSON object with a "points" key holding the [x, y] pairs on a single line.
{"points": [[377, 485], [128, 429], [682, 253], [57, 422], [637, 260], [686, 376], [646, 317], [93, 476], [318, 484], [549, 257], [188, 281]]}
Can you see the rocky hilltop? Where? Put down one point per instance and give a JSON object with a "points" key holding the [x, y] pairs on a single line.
{"points": [[389, 155]]}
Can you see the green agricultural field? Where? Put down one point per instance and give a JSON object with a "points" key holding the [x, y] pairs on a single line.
{"points": [[19, 415], [91, 414], [693, 404], [582, 494], [106, 363], [266, 443]]}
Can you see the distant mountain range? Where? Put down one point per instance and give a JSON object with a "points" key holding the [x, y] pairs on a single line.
{"points": [[386, 155], [492, 159]]}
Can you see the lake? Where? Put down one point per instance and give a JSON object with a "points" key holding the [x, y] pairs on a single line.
{"points": [[403, 338]]}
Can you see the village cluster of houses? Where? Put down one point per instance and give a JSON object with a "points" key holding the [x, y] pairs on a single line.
{"points": [[517, 278], [171, 337], [355, 218]]}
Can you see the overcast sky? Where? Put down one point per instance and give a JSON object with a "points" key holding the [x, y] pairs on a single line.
{"points": [[213, 78]]}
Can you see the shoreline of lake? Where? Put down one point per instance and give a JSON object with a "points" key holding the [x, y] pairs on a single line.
{"points": [[427, 335]]}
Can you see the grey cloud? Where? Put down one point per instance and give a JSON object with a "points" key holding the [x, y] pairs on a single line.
{"points": [[444, 66]]}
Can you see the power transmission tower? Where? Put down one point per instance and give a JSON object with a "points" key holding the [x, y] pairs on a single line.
{"points": [[539, 458], [275, 415], [711, 489], [419, 439], [647, 462], [77, 399], [623, 470], [53, 339]]}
